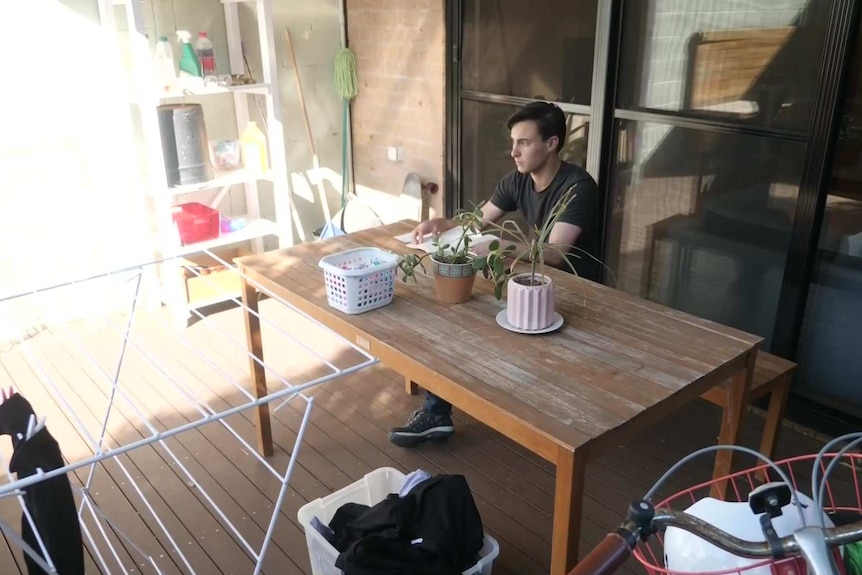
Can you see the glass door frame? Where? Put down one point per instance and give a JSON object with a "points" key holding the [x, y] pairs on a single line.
{"points": [[830, 94]]}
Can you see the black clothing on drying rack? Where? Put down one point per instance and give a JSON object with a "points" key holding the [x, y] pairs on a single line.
{"points": [[50, 502], [15, 412]]}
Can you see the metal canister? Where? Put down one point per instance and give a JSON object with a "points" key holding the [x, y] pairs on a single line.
{"points": [[184, 144]]}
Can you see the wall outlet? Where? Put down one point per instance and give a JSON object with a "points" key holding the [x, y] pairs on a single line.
{"points": [[395, 153]]}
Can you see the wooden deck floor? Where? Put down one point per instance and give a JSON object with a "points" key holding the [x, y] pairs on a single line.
{"points": [[346, 438]]}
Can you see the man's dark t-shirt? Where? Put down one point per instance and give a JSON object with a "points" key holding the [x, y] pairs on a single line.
{"points": [[515, 192]]}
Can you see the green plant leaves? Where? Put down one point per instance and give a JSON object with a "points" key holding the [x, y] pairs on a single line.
{"points": [[499, 266], [454, 252], [408, 264]]}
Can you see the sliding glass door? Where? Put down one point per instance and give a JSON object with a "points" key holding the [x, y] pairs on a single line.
{"points": [[510, 53], [710, 127], [713, 103]]}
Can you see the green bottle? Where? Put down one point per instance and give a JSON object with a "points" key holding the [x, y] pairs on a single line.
{"points": [[189, 64]]}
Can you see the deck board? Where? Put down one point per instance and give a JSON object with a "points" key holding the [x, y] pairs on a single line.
{"points": [[345, 439], [11, 557]]}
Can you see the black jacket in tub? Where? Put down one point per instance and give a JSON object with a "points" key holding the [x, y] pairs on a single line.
{"points": [[434, 529]]}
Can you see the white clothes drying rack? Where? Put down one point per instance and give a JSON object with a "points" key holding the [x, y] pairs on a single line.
{"points": [[99, 526]]}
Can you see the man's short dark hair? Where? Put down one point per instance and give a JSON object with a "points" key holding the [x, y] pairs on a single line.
{"points": [[549, 118]]}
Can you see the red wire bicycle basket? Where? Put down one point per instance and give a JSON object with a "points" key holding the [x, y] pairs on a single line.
{"points": [[842, 494]]}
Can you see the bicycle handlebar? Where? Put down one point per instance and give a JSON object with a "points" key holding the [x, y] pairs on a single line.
{"points": [[615, 548], [606, 557]]}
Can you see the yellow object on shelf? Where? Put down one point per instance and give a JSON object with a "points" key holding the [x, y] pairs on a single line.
{"points": [[253, 146]]}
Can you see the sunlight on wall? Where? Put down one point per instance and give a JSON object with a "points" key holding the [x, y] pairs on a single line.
{"points": [[70, 202], [384, 207]]}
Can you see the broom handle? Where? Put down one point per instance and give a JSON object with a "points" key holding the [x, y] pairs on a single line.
{"points": [[308, 135], [301, 95]]}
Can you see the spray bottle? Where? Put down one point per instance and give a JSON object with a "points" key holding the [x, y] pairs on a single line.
{"points": [[189, 64]]}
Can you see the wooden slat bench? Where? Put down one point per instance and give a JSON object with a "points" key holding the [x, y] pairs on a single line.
{"points": [[772, 376]]}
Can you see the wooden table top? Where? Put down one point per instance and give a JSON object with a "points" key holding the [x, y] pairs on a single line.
{"points": [[618, 362]]}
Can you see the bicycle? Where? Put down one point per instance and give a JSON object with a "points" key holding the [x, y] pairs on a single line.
{"points": [[773, 488]]}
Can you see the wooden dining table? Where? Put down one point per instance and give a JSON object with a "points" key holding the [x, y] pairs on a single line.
{"points": [[617, 364]]}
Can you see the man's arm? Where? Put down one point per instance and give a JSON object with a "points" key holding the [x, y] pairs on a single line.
{"points": [[490, 214], [581, 210], [563, 236]]}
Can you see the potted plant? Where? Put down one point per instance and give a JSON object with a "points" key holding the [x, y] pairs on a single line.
{"points": [[452, 265], [530, 295]]}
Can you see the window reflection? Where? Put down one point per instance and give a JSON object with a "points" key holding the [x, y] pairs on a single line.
{"points": [[542, 51], [701, 221], [753, 61]]}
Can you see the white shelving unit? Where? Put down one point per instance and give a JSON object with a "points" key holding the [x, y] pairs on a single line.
{"points": [[148, 96], [253, 230]]}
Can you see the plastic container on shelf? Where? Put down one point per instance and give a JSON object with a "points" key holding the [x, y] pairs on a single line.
{"points": [[165, 71], [189, 65], [253, 149], [206, 54], [195, 222], [370, 490], [184, 144], [229, 225], [225, 155]]}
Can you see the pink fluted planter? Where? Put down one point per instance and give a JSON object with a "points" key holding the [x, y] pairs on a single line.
{"points": [[530, 307]]}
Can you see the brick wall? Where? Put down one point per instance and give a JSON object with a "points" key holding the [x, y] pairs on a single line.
{"points": [[399, 46]]}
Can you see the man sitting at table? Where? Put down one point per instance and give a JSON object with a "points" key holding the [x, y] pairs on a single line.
{"points": [[540, 178]]}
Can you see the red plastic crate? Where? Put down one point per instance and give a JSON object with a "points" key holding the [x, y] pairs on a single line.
{"points": [[195, 222]]}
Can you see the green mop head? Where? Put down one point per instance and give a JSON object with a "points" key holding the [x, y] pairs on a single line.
{"points": [[347, 87], [346, 83]]}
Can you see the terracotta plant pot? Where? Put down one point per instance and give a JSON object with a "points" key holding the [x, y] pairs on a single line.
{"points": [[454, 282], [530, 307]]}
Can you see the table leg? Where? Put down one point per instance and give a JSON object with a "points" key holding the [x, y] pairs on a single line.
{"points": [[255, 361], [568, 500], [731, 422], [774, 415], [410, 386], [675, 274], [650, 258]]}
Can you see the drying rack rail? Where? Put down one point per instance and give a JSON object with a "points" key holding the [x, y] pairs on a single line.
{"points": [[150, 388]]}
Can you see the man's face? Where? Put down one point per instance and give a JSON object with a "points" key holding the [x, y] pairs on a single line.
{"points": [[529, 151]]}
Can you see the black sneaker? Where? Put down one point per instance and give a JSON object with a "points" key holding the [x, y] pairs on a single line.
{"points": [[422, 426]]}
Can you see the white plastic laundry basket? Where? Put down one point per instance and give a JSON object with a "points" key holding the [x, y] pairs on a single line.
{"points": [[359, 280], [370, 490]]}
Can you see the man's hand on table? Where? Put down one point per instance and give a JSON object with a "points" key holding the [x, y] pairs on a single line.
{"points": [[434, 227]]}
